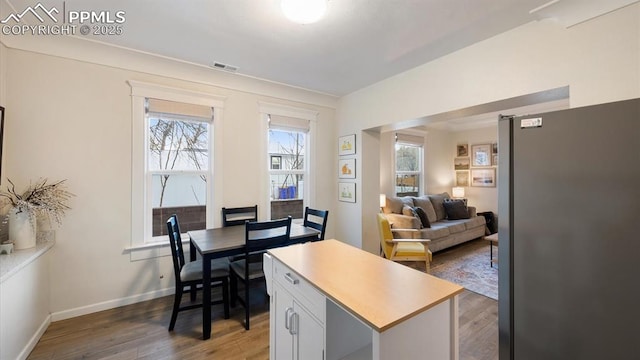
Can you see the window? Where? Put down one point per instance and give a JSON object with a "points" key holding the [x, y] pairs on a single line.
{"points": [[408, 163], [178, 165], [275, 162], [288, 144], [287, 179], [172, 163]]}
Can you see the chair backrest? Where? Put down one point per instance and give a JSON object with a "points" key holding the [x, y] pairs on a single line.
{"points": [[385, 235], [267, 234], [239, 215], [175, 240], [316, 219]]}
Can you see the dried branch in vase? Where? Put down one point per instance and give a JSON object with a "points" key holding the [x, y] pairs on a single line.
{"points": [[40, 198]]}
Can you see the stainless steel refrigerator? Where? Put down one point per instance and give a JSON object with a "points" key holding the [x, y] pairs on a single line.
{"points": [[569, 234]]}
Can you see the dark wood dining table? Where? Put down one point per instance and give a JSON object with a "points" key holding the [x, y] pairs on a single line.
{"points": [[227, 241]]}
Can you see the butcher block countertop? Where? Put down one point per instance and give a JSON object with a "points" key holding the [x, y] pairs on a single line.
{"points": [[379, 292]]}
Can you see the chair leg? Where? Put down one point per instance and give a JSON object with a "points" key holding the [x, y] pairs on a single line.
{"points": [[176, 307], [246, 304], [225, 297], [193, 289], [234, 288]]}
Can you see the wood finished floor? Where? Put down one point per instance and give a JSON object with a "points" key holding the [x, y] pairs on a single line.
{"points": [[139, 331]]}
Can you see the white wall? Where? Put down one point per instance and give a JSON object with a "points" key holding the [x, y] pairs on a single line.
{"points": [[72, 120], [598, 59]]}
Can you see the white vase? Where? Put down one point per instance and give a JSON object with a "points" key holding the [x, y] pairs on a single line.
{"points": [[22, 229]]}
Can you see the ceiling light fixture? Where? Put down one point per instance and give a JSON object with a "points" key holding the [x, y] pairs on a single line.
{"points": [[304, 11]]}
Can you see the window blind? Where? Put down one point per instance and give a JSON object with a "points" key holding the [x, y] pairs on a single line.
{"points": [[279, 122], [409, 139], [158, 106]]}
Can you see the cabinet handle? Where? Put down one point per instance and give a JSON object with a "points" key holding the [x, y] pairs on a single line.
{"points": [[287, 319], [290, 279], [294, 323]]}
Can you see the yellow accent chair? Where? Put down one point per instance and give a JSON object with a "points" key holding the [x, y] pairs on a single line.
{"points": [[403, 249]]}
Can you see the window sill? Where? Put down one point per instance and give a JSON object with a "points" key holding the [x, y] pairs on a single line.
{"points": [[154, 250]]}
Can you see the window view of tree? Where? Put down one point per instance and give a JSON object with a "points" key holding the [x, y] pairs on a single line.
{"points": [[287, 178], [178, 168], [177, 145], [408, 169]]}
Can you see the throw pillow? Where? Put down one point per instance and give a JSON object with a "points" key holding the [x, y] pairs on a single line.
{"points": [[425, 204], [423, 217], [409, 211], [456, 209], [437, 200]]}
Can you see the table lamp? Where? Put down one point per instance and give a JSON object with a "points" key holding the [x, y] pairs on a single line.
{"points": [[458, 192]]}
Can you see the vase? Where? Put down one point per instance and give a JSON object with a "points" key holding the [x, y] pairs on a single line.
{"points": [[22, 229]]}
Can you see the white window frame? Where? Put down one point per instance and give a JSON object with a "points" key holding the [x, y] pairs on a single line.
{"points": [[309, 192], [409, 140], [143, 245]]}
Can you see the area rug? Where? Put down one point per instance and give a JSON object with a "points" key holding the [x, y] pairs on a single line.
{"points": [[467, 265]]}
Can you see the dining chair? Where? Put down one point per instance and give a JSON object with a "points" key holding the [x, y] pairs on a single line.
{"points": [[189, 275], [239, 215], [316, 219], [403, 249], [259, 236]]}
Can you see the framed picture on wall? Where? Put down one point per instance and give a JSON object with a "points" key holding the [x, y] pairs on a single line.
{"points": [[347, 169], [483, 177], [481, 155], [462, 150], [347, 192], [462, 178], [461, 163], [347, 145]]}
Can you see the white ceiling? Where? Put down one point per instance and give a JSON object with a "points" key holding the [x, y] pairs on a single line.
{"points": [[357, 43]]}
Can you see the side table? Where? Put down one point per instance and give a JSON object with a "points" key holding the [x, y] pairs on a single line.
{"points": [[493, 240]]}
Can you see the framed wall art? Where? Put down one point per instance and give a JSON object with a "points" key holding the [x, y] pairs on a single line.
{"points": [[461, 163], [462, 150], [483, 177], [462, 178], [347, 192], [481, 155], [347, 145], [347, 168]]}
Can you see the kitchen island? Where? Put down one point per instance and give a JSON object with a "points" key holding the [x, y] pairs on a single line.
{"points": [[330, 300]]}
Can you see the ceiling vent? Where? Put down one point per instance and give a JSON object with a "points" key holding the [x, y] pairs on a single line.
{"points": [[225, 67]]}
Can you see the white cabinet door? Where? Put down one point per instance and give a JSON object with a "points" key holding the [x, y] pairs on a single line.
{"points": [[309, 335], [281, 338], [297, 335]]}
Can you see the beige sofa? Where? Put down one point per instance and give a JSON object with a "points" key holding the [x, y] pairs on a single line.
{"points": [[443, 232]]}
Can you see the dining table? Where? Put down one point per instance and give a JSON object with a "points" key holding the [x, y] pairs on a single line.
{"points": [[228, 241]]}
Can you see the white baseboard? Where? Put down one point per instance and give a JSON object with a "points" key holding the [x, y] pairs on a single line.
{"points": [[31, 344], [111, 304]]}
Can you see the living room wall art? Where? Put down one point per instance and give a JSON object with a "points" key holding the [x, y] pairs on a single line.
{"points": [[347, 145], [462, 178], [461, 163], [347, 168], [483, 177], [481, 155], [494, 154], [462, 150], [347, 192]]}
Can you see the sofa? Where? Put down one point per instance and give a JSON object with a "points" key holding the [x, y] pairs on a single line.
{"points": [[445, 221]]}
